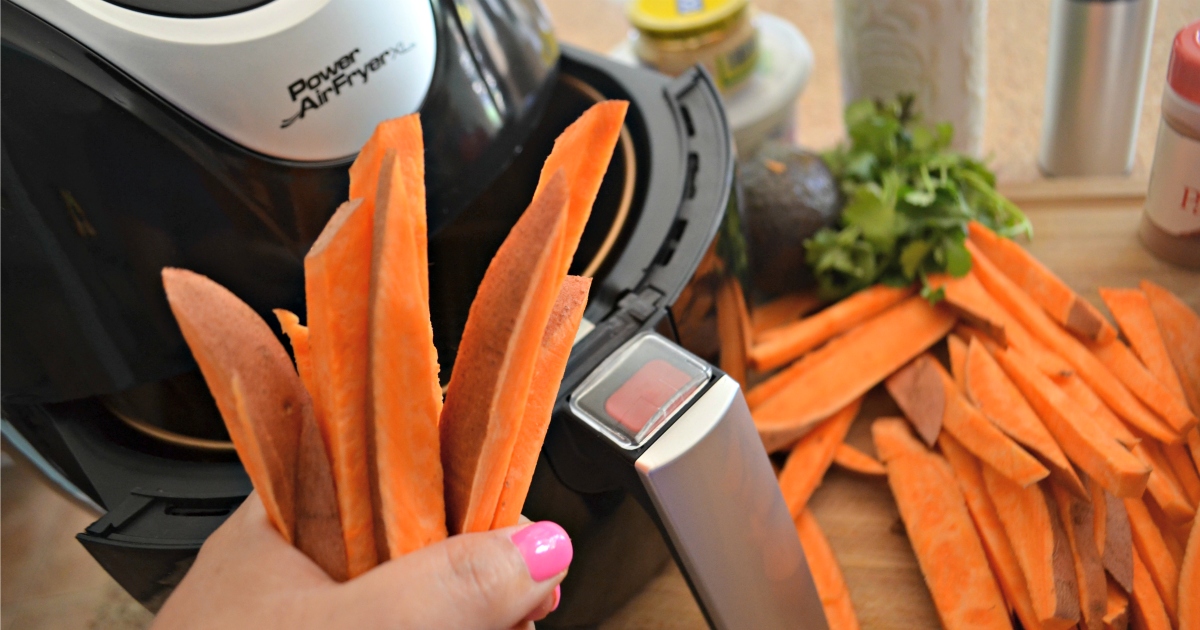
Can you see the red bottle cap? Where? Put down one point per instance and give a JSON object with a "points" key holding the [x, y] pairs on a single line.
{"points": [[1183, 71]]}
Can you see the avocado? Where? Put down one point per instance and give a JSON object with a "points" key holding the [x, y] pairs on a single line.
{"points": [[788, 194]]}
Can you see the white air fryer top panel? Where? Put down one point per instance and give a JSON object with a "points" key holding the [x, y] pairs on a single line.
{"points": [[303, 80]]}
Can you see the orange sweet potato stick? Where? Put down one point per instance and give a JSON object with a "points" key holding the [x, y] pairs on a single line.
{"points": [[958, 361], [1174, 536], [1185, 471], [939, 526], [811, 457], [783, 310], [854, 460], [799, 337], [1116, 608], [1105, 419], [827, 575], [547, 375], [491, 379], [881, 346], [767, 389], [1131, 309], [318, 524], [1098, 455], [1152, 550], [1162, 486], [991, 531], [227, 339], [1189, 582], [1180, 328], [968, 295], [298, 335], [928, 398], [1087, 366], [1077, 517], [732, 330], [405, 395], [337, 286], [1002, 403], [1112, 534], [1041, 546], [1063, 304], [1120, 360], [1149, 610]]}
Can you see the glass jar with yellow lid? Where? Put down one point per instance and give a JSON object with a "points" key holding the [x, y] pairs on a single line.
{"points": [[674, 35]]}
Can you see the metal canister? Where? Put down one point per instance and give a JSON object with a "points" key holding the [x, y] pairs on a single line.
{"points": [[1095, 76]]}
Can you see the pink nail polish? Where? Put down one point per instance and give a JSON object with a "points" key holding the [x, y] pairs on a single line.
{"points": [[546, 549], [557, 597]]}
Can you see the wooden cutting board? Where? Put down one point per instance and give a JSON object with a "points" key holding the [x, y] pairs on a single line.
{"points": [[1086, 231]]}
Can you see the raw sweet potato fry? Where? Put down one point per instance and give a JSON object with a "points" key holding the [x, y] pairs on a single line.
{"points": [[1116, 609], [298, 336], [1189, 583], [958, 361], [1173, 537], [767, 389], [1152, 550], [405, 394], [810, 458], [1165, 491], [547, 376], [1040, 544], [1078, 522], [793, 340], [1180, 328], [780, 311], [939, 526], [1113, 536], [1121, 361], [1098, 455], [1185, 471], [481, 417], [1002, 403], [875, 349], [966, 296], [1149, 610], [732, 329], [991, 531], [337, 288], [228, 339], [1086, 365], [1063, 304], [1105, 419], [1131, 309], [827, 575], [928, 397], [854, 460], [318, 525]]}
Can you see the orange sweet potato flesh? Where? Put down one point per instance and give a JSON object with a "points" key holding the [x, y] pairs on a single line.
{"points": [[793, 340], [1105, 419], [1112, 534], [1189, 582], [1041, 546], [827, 575], [1180, 328], [958, 361], [928, 397], [1162, 485], [405, 395], [733, 329], [1063, 304], [1131, 309], [854, 460], [989, 388], [298, 336], [1121, 361], [1148, 609], [991, 531], [810, 458], [481, 418], [1097, 454], [318, 524], [337, 283], [783, 310], [1116, 608], [767, 389], [1077, 517], [871, 352], [228, 339], [1185, 471], [1087, 366], [1152, 551], [940, 529], [547, 376]]}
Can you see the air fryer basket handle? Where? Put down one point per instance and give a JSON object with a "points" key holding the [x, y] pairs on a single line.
{"points": [[722, 512]]}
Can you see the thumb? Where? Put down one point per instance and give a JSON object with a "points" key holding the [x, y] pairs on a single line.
{"points": [[492, 579]]}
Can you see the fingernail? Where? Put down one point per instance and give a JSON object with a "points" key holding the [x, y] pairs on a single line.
{"points": [[557, 597], [546, 549]]}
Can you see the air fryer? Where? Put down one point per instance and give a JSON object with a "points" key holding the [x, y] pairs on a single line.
{"points": [[113, 170]]}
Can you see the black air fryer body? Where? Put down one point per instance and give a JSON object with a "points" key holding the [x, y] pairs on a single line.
{"points": [[106, 180]]}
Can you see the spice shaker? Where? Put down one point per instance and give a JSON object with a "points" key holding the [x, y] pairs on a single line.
{"points": [[1095, 77], [1170, 227]]}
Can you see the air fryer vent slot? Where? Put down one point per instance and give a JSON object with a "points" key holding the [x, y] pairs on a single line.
{"points": [[687, 120]]}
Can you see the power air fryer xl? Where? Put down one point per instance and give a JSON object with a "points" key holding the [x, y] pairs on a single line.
{"points": [[216, 136]]}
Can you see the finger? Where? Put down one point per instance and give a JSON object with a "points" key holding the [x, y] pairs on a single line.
{"points": [[485, 580], [546, 607]]}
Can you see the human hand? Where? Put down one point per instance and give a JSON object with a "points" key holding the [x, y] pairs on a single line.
{"points": [[247, 576]]}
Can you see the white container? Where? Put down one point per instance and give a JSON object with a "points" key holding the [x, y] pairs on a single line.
{"points": [[764, 107], [933, 49]]}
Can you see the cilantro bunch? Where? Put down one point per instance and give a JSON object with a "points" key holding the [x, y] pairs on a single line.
{"points": [[908, 201]]}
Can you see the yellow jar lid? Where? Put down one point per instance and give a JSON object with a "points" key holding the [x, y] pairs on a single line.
{"points": [[676, 17]]}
